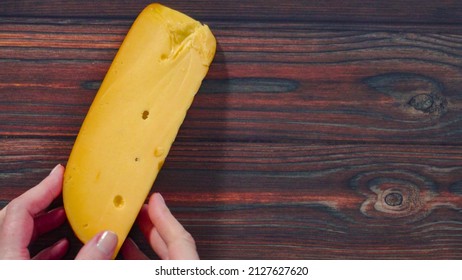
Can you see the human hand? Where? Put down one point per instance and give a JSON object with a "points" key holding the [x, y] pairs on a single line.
{"points": [[165, 234], [25, 218]]}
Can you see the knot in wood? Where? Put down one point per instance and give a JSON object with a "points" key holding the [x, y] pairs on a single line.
{"points": [[397, 198], [422, 102], [394, 199], [433, 104], [397, 194]]}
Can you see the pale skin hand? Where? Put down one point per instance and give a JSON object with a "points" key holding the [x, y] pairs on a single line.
{"points": [[25, 218], [165, 234]]}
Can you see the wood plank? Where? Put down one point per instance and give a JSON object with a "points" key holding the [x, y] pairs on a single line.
{"points": [[396, 11], [324, 130], [291, 201], [376, 86]]}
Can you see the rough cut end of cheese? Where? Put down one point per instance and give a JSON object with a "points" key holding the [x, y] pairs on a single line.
{"points": [[134, 120]]}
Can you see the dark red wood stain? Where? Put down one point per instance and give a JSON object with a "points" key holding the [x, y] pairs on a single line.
{"points": [[324, 129]]}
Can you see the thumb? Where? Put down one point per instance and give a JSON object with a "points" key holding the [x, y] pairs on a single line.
{"points": [[100, 247]]}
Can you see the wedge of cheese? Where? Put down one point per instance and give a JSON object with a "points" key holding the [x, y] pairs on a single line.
{"points": [[134, 120]]}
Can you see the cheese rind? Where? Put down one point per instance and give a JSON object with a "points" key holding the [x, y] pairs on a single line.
{"points": [[134, 120]]}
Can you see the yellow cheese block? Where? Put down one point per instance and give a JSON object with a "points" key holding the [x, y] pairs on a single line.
{"points": [[134, 120]]}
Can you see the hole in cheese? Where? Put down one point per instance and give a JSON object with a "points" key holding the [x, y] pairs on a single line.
{"points": [[145, 114], [164, 57], [160, 164], [159, 151], [119, 201]]}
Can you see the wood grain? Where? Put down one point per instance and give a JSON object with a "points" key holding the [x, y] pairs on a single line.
{"points": [[447, 11], [292, 201], [324, 129], [326, 85]]}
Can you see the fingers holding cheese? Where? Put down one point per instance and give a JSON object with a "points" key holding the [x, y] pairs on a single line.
{"points": [[100, 247], [180, 244], [133, 121], [166, 235]]}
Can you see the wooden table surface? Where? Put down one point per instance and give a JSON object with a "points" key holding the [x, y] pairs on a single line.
{"points": [[324, 129]]}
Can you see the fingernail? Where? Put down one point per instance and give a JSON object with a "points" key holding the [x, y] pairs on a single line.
{"points": [[161, 198], [54, 169], [107, 243]]}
